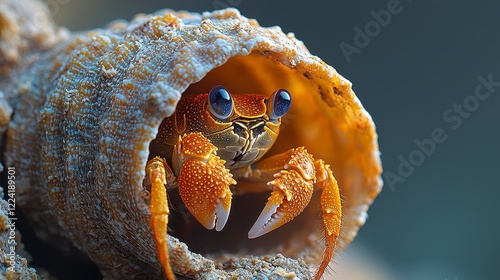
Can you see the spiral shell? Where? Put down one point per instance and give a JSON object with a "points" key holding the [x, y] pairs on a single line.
{"points": [[87, 108]]}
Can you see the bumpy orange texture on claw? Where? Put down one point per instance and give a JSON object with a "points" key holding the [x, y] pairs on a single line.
{"points": [[196, 146], [291, 196], [292, 189], [204, 181]]}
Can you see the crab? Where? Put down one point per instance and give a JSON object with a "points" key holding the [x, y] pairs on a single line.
{"points": [[217, 138]]}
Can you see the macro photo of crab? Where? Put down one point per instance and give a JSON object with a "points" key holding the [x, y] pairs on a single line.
{"points": [[132, 143], [240, 129]]}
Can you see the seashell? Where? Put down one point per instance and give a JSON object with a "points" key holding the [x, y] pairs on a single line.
{"points": [[88, 105]]}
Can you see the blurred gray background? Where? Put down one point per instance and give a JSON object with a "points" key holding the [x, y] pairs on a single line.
{"points": [[442, 221]]}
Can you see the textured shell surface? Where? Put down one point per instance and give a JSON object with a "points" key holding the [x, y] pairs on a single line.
{"points": [[87, 106]]}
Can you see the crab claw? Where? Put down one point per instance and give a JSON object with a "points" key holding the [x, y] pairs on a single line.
{"points": [[292, 191], [204, 181]]}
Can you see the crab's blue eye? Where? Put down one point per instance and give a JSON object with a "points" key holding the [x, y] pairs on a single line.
{"points": [[220, 102], [279, 103]]}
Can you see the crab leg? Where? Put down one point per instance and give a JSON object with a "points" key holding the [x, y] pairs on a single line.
{"points": [[160, 174], [331, 209], [203, 180]]}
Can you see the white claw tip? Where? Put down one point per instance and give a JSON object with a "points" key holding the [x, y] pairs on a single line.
{"points": [[263, 223], [222, 216]]}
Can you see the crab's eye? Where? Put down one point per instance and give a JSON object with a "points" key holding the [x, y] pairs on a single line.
{"points": [[279, 103], [220, 102]]}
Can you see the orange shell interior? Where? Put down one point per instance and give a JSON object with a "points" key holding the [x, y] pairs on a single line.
{"points": [[332, 126]]}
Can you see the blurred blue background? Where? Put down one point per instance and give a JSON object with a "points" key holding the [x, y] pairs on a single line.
{"points": [[441, 221]]}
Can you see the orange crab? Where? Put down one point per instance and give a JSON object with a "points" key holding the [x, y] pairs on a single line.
{"points": [[217, 137]]}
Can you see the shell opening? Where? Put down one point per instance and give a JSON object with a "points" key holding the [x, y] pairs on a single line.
{"points": [[316, 120]]}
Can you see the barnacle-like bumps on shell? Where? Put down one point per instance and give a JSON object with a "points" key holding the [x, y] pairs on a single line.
{"points": [[88, 105]]}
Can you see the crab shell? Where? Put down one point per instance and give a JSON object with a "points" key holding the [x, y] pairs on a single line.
{"points": [[87, 108]]}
